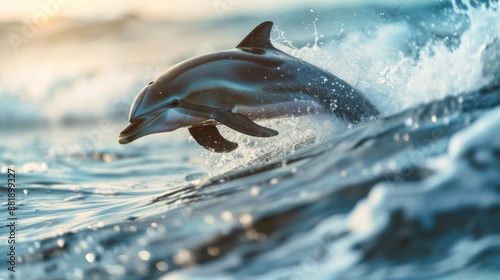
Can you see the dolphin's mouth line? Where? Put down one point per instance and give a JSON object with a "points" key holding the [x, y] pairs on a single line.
{"points": [[133, 128]]}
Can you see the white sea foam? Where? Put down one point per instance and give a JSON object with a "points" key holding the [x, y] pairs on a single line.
{"points": [[394, 80]]}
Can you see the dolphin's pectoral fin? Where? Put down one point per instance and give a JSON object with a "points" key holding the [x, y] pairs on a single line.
{"points": [[208, 137], [243, 124]]}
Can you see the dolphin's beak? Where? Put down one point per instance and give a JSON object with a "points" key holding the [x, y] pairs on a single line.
{"points": [[165, 121], [138, 128]]}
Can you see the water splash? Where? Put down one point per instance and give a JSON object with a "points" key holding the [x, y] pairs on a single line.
{"points": [[395, 79], [295, 133]]}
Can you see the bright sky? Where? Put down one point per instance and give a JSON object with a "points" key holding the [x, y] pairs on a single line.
{"points": [[174, 10], [161, 9]]}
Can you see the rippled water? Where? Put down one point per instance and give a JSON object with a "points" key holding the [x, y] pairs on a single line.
{"points": [[412, 195]]}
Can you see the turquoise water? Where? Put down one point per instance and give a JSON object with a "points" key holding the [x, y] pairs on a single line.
{"points": [[412, 195]]}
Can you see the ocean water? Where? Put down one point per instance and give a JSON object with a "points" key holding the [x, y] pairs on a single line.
{"points": [[414, 194]]}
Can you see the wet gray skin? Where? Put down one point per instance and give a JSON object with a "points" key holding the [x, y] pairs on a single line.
{"points": [[235, 87]]}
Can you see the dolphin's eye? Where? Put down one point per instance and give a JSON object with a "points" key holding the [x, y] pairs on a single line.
{"points": [[174, 102], [150, 83]]}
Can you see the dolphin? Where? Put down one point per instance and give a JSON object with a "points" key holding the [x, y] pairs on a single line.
{"points": [[235, 87]]}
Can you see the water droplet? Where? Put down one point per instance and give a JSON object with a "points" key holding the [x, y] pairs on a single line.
{"points": [[252, 234], [114, 269], [90, 257], [254, 191], [209, 219], [344, 173], [406, 137], [107, 158], [144, 255], [123, 258], [78, 274], [226, 215], [396, 137], [246, 220], [213, 251], [409, 122], [182, 257], [150, 231], [162, 266], [60, 243]]}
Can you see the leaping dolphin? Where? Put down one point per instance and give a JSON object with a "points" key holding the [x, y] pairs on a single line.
{"points": [[234, 87]]}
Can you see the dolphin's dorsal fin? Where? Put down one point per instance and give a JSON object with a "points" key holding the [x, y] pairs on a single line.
{"points": [[259, 37]]}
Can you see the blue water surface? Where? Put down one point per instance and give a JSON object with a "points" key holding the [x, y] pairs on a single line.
{"points": [[412, 195]]}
